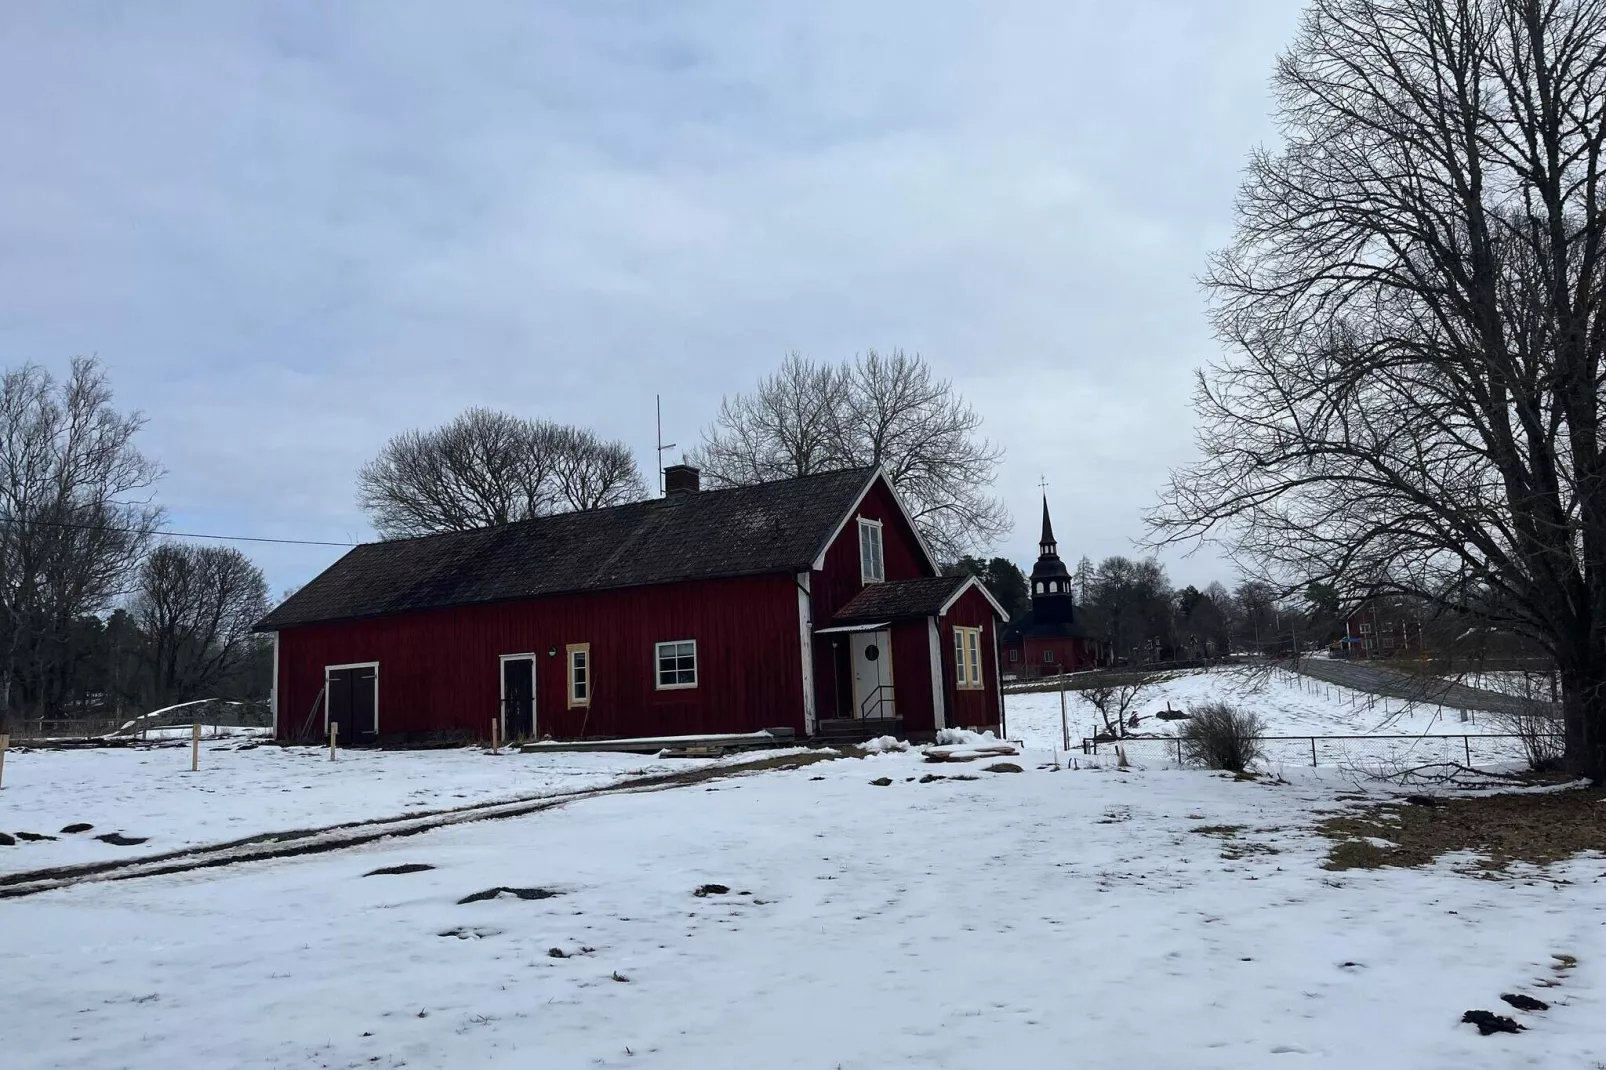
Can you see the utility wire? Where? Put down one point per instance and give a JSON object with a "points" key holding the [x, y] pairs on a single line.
{"points": [[173, 534]]}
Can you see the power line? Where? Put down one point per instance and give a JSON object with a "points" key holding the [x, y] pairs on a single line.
{"points": [[173, 534]]}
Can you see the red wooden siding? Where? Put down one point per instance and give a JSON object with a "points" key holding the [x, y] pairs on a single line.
{"points": [[840, 579], [911, 674], [439, 670], [968, 708]]}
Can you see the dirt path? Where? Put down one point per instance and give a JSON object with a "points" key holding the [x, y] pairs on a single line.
{"points": [[356, 833]]}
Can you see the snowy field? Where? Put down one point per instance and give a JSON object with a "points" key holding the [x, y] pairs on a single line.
{"points": [[1089, 918], [151, 793], [1290, 705]]}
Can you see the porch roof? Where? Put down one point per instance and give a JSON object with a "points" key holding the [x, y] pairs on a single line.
{"points": [[899, 600]]}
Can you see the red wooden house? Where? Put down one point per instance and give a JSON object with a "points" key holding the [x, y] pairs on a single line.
{"points": [[811, 604]]}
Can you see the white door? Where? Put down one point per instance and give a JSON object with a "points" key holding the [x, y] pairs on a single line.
{"points": [[871, 653]]}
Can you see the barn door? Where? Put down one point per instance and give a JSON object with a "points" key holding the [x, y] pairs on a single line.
{"points": [[353, 698], [518, 696]]}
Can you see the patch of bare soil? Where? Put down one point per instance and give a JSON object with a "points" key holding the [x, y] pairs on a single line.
{"points": [[1232, 846], [1501, 828]]}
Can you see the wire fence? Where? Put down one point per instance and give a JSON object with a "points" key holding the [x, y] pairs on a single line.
{"points": [[217, 713], [1472, 750]]}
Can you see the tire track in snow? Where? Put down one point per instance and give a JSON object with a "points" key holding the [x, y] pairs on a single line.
{"points": [[321, 840]]}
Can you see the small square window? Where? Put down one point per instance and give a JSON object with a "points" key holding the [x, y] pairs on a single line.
{"points": [[872, 564], [677, 664]]}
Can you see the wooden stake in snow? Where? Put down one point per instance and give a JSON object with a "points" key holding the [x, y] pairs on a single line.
{"points": [[495, 735], [195, 746], [334, 734], [5, 741], [1065, 725]]}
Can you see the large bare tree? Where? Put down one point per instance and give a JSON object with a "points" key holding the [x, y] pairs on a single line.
{"points": [[488, 468], [75, 517], [1413, 304], [196, 607], [877, 409]]}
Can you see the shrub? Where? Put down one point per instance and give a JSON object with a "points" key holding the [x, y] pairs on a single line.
{"points": [[1222, 736], [1542, 735]]}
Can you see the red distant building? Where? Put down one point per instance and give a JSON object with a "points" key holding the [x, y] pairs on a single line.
{"points": [[811, 604], [1051, 638], [1381, 628]]}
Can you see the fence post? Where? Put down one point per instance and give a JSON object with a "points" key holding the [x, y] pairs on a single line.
{"points": [[1313, 752], [334, 734], [1179, 750], [195, 746], [5, 741], [495, 742], [1466, 742]]}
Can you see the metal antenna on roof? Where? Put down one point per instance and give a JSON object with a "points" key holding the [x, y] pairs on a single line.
{"points": [[658, 403]]}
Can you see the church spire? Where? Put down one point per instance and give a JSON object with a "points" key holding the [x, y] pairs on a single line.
{"points": [[1046, 545]]}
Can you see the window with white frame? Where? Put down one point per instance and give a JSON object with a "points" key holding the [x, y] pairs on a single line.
{"points": [[1048, 656], [677, 664], [579, 674], [872, 566], [967, 657], [1014, 655]]}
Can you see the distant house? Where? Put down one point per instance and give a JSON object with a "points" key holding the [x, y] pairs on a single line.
{"points": [[1381, 628], [1053, 636], [811, 604]]}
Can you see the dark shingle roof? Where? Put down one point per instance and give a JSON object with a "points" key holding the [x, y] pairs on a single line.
{"points": [[899, 600], [743, 531]]}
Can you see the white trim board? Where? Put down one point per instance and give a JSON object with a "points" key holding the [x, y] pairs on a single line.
{"points": [[805, 634], [970, 582]]}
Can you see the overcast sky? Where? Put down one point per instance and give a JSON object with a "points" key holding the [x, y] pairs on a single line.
{"points": [[291, 230]]}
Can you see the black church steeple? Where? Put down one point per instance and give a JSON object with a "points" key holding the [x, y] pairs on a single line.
{"points": [[1051, 582]]}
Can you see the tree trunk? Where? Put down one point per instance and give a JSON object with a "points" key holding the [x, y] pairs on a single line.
{"points": [[1583, 705]]}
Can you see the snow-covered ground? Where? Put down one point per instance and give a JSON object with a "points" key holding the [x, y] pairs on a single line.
{"points": [[1291, 705], [1085, 918], [150, 792]]}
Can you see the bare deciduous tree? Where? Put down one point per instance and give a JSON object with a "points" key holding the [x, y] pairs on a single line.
{"points": [[487, 468], [1414, 300], [875, 410], [75, 517], [196, 607], [1115, 698]]}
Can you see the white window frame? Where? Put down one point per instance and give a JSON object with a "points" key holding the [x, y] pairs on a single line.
{"points": [[657, 665], [1048, 656], [880, 547], [967, 658], [569, 652]]}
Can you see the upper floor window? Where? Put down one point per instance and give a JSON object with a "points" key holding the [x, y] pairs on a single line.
{"points": [[872, 566], [1048, 656], [677, 664]]}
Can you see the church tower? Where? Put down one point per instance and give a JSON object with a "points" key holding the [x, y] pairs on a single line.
{"points": [[1051, 581]]}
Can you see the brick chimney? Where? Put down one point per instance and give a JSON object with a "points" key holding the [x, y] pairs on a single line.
{"points": [[681, 479]]}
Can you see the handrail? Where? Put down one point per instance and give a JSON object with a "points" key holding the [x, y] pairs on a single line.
{"points": [[878, 698]]}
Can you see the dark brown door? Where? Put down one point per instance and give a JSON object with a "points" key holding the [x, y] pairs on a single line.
{"points": [[353, 703], [518, 698]]}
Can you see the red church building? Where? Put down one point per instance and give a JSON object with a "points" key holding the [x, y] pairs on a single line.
{"points": [[811, 604], [1052, 637]]}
